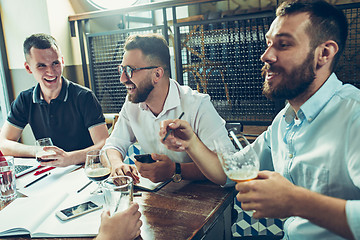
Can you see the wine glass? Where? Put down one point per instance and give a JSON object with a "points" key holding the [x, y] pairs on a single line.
{"points": [[239, 160], [97, 168]]}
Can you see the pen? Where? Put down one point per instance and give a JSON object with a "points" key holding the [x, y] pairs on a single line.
{"points": [[43, 170], [38, 179], [167, 134], [84, 187]]}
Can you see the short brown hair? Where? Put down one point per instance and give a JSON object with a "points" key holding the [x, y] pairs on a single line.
{"points": [[39, 41], [153, 46], [326, 23]]}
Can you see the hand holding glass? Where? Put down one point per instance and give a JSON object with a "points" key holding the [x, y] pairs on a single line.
{"points": [[240, 162], [97, 168], [39, 152]]}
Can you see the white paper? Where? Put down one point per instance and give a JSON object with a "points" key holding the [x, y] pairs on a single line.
{"points": [[147, 184], [35, 214], [44, 184], [86, 225], [28, 213]]}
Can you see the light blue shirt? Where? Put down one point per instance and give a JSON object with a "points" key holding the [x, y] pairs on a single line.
{"points": [[319, 151]]}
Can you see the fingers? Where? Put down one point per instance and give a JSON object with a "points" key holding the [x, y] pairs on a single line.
{"points": [[53, 148], [174, 144], [243, 187], [134, 207], [138, 226], [164, 128], [134, 211], [169, 124], [264, 174], [127, 170], [105, 214], [160, 157]]}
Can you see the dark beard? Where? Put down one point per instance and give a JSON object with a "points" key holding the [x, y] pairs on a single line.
{"points": [[143, 91], [294, 83]]}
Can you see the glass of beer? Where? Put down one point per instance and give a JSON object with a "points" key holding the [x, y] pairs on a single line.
{"points": [[97, 168], [39, 151], [239, 160]]}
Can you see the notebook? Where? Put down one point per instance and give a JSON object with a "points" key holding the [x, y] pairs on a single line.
{"points": [[147, 185]]}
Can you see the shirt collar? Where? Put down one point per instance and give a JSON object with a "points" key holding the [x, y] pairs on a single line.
{"points": [[172, 99], [313, 106], [63, 96]]}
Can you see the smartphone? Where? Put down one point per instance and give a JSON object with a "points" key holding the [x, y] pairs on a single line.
{"points": [[77, 210], [144, 158]]}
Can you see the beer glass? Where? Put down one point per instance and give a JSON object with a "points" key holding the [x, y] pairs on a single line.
{"points": [[97, 168], [239, 160], [39, 152]]}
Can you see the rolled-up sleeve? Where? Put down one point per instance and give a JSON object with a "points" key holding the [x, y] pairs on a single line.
{"points": [[353, 217], [122, 135]]}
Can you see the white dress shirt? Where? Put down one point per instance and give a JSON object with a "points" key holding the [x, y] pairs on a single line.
{"points": [[137, 123]]}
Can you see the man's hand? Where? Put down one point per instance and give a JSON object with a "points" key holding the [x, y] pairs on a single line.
{"points": [[270, 195], [122, 225], [180, 138], [162, 170], [57, 157], [125, 169]]}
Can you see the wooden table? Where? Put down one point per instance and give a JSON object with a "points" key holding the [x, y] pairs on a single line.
{"points": [[185, 210]]}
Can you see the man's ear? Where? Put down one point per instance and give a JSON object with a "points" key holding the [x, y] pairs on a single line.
{"points": [[159, 73], [27, 67], [326, 52]]}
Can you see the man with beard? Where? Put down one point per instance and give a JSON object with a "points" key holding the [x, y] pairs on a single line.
{"points": [[57, 108], [153, 97], [312, 144]]}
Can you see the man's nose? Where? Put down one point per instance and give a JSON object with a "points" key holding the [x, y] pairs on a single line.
{"points": [[123, 77], [269, 55]]}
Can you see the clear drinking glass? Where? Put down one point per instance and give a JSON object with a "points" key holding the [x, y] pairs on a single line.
{"points": [[239, 160], [118, 193], [7, 178], [39, 152], [97, 168]]}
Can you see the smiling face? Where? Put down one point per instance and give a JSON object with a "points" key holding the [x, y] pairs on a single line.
{"points": [[289, 60], [140, 85], [46, 65]]}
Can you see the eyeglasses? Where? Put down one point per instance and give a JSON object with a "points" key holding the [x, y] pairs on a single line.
{"points": [[129, 70]]}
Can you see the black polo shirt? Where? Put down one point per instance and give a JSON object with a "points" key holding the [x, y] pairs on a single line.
{"points": [[67, 119]]}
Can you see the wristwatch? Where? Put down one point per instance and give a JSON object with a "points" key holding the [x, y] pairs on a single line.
{"points": [[177, 175]]}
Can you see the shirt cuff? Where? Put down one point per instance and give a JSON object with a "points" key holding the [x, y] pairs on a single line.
{"points": [[353, 217]]}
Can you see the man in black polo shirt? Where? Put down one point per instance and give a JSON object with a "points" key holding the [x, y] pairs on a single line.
{"points": [[64, 111]]}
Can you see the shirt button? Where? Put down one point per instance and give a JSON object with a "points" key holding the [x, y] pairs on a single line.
{"points": [[291, 155]]}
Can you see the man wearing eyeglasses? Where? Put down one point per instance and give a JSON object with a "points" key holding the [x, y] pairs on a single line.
{"points": [[153, 97]]}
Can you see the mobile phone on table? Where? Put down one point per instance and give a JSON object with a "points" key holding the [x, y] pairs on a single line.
{"points": [[144, 158], [77, 210]]}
